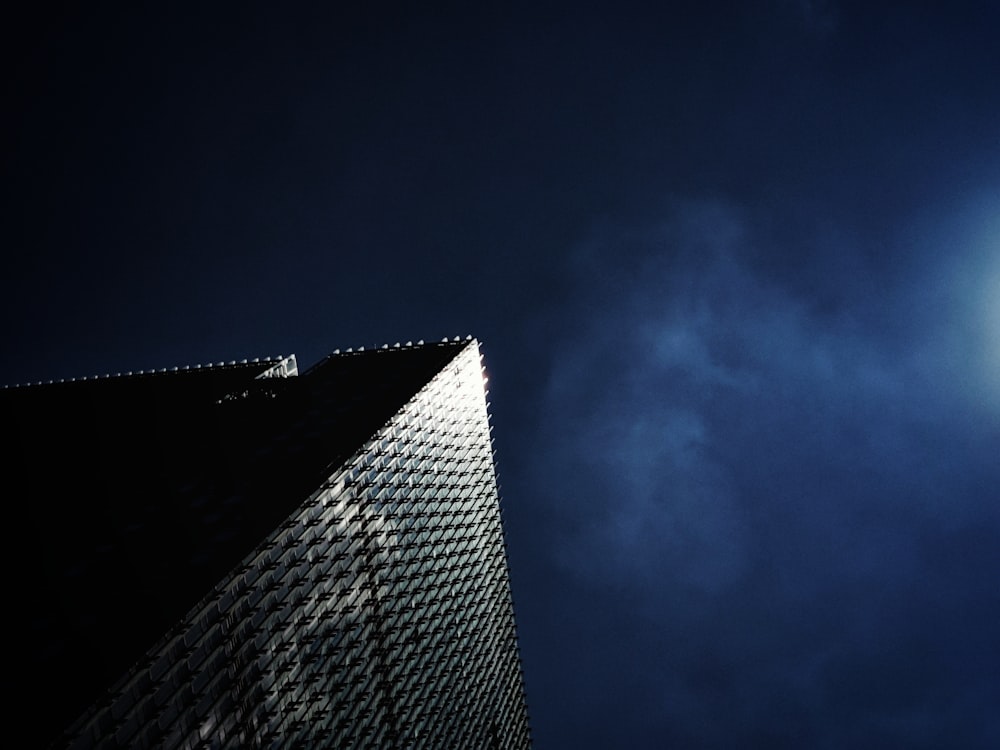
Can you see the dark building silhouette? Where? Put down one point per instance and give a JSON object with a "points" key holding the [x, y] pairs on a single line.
{"points": [[243, 556]]}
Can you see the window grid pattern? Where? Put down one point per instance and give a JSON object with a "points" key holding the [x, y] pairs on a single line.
{"points": [[379, 615]]}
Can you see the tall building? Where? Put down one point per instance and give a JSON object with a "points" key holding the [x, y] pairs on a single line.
{"points": [[240, 555]]}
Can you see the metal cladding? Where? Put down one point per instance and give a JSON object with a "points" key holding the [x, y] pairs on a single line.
{"points": [[377, 612]]}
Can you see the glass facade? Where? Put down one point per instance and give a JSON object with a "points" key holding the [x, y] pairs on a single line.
{"points": [[377, 614]]}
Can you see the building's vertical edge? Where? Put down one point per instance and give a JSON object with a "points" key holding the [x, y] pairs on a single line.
{"points": [[378, 615], [519, 726]]}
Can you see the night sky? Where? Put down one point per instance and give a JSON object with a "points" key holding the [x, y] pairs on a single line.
{"points": [[735, 268]]}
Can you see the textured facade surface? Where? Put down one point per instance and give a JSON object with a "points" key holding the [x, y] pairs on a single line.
{"points": [[377, 614]]}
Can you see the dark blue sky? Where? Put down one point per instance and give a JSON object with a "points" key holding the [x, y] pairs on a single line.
{"points": [[735, 267]]}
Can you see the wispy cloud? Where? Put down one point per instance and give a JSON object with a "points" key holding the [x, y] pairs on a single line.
{"points": [[762, 479]]}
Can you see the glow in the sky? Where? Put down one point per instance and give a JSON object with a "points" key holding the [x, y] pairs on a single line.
{"points": [[984, 238]]}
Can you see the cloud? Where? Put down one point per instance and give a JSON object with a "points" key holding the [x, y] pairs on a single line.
{"points": [[774, 492], [699, 366]]}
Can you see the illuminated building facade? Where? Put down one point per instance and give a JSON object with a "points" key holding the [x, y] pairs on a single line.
{"points": [[244, 556]]}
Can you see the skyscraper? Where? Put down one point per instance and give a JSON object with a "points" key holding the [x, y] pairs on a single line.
{"points": [[239, 556]]}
